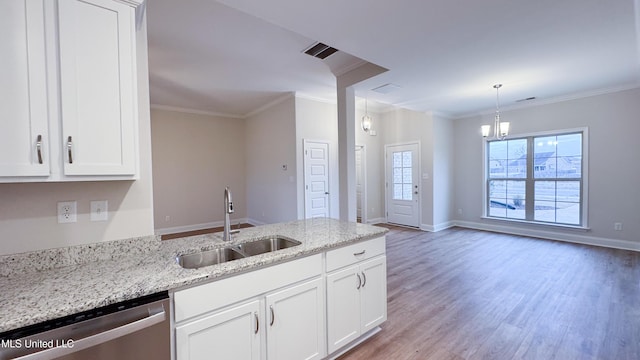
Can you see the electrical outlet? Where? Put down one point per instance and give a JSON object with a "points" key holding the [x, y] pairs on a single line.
{"points": [[99, 210], [67, 212], [617, 226]]}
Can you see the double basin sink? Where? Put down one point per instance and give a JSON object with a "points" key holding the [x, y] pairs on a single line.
{"points": [[235, 252]]}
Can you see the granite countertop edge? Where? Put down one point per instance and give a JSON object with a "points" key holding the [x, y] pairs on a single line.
{"points": [[31, 298]]}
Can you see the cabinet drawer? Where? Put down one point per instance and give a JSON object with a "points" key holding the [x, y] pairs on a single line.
{"points": [[351, 254]]}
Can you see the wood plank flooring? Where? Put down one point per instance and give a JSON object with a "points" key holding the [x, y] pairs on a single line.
{"points": [[467, 294]]}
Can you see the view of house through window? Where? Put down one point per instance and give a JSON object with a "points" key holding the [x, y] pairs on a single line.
{"points": [[536, 178]]}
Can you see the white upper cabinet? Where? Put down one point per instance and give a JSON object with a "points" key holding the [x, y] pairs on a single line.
{"points": [[69, 94], [97, 87], [24, 123]]}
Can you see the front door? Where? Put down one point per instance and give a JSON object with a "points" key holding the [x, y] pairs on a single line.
{"points": [[402, 169], [316, 179]]}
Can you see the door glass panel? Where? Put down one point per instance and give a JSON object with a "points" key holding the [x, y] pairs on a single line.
{"points": [[402, 175]]}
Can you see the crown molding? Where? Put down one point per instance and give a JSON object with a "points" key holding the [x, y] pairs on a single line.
{"points": [[553, 100], [194, 111]]}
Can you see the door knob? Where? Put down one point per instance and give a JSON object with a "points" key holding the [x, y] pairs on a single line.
{"points": [[326, 193]]}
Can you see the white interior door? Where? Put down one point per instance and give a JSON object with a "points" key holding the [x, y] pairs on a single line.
{"points": [[316, 179], [402, 170]]}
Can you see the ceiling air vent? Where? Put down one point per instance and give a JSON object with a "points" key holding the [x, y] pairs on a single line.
{"points": [[320, 50]]}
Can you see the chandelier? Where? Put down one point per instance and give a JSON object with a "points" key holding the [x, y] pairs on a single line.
{"points": [[500, 129]]}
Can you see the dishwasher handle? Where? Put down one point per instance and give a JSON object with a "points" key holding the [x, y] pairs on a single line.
{"points": [[99, 338]]}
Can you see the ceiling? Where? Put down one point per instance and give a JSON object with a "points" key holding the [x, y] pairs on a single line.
{"points": [[234, 57]]}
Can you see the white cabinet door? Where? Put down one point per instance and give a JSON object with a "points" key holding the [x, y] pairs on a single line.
{"points": [[295, 328], [356, 301], [23, 90], [98, 87], [232, 334], [343, 307], [373, 293]]}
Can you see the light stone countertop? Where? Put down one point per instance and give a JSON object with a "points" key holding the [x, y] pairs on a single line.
{"points": [[122, 270]]}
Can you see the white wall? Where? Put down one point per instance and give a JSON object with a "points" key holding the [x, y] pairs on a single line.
{"points": [[434, 133], [271, 143], [614, 168], [443, 150], [28, 219], [194, 157], [374, 162], [317, 120]]}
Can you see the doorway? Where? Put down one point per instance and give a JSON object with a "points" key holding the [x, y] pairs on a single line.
{"points": [[402, 169], [316, 179]]}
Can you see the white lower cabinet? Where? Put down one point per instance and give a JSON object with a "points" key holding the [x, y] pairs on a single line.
{"points": [[233, 333], [356, 295], [306, 309], [296, 322], [283, 319]]}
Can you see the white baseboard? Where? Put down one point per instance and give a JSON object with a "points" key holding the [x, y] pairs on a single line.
{"points": [[193, 227], [553, 235], [438, 227]]}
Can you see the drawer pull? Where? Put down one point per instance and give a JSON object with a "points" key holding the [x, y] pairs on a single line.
{"points": [[257, 323], [364, 279], [273, 316], [359, 282], [39, 148], [359, 253], [70, 149]]}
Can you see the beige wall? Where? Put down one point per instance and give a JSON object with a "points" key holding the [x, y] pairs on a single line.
{"points": [[194, 157], [28, 212], [271, 143]]}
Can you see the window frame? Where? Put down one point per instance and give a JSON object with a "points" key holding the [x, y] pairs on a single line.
{"points": [[530, 179]]}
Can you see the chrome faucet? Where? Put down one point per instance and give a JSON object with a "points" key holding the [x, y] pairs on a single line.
{"points": [[228, 209]]}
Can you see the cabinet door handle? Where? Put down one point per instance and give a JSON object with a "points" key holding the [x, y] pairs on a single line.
{"points": [[257, 323], [273, 316], [359, 253], [359, 282], [364, 279], [70, 149], [39, 148]]}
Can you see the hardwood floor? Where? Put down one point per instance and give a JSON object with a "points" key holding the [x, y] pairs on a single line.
{"points": [[467, 294]]}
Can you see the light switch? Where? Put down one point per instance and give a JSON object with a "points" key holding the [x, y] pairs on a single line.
{"points": [[99, 210]]}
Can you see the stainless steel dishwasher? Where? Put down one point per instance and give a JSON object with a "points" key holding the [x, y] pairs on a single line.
{"points": [[134, 329]]}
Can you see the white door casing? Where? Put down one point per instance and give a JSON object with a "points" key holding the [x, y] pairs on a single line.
{"points": [[316, 179], [402, 169], [361, 179]]}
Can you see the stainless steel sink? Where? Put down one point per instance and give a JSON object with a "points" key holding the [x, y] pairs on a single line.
{"points": [[270, 244], [208, 257], [230, 253]]}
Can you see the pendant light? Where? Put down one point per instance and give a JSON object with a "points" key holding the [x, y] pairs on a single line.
{"points": [[366, 119], [500, 129]]}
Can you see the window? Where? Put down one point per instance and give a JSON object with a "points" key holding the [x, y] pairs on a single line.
{"points": [[537, 178], [402, 176]]}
